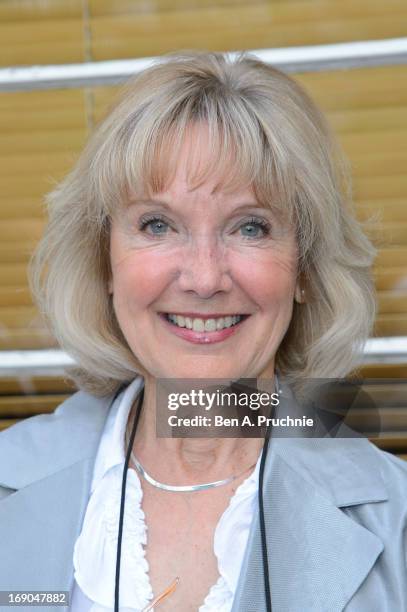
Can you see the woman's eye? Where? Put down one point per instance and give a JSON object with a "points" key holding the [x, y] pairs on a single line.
{"points": [[155, 225], [255, 228]]}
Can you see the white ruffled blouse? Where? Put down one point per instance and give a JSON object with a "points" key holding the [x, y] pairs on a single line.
{"points": [[94, 557]]}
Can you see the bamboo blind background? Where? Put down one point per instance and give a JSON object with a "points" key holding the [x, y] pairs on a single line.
{"points": [[63, 31], [42, 132]]}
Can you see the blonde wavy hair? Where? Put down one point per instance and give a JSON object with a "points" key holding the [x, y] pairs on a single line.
{"points": [[267, 133]]}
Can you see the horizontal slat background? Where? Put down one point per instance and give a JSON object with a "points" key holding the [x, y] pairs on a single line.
{"points": [[49, 32], [42, 133]]}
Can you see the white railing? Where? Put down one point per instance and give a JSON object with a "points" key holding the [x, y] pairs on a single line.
{"points": [[290, 59], [56, 362]]}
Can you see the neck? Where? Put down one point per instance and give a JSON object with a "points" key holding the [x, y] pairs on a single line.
{"points": [[188, 460]]}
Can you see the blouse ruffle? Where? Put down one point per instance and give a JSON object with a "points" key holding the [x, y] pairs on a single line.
{"points": [[96, 548]]}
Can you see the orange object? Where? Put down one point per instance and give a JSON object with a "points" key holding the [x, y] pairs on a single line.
{"points": [[163, 595]]}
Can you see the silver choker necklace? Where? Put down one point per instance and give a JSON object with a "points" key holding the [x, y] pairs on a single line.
{"points": [[184, 488]]}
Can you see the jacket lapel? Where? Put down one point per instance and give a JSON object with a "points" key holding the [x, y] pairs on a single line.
{"points": [[318, 555], [41, 519]]}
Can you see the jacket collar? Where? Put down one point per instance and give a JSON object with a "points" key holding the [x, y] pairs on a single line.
{"points": [[341, 466], [44, 445]]}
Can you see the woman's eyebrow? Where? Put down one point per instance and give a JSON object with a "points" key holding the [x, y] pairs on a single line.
{"points": [[246, 205], [243, 206], [138, 201]]}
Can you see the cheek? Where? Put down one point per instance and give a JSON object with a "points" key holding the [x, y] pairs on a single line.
{"points": [[270, 280], [138, 277]]}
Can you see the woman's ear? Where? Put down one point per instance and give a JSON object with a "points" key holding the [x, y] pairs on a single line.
{"points": [[299, 295]]}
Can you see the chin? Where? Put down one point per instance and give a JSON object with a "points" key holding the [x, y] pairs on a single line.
{"points": [[199, 371]]}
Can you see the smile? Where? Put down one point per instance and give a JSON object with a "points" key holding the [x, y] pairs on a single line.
{"points": [[206, 329], [200, 325]]}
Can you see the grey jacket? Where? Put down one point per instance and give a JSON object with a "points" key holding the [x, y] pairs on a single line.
{"points": [[335, 510]]}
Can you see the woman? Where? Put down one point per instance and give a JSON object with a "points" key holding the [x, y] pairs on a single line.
{"points": [[205, 232]]}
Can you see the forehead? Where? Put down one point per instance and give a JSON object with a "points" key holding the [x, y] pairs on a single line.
{"points": [[183, 189]]}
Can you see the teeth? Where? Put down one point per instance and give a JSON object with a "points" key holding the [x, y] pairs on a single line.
{"points": [[210, 325], [200, 325]]}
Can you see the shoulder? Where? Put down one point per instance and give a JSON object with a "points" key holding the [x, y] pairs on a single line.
{"points": [[349, 471], [44, 444], [387, 517]]}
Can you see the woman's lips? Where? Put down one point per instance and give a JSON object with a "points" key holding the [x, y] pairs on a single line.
{"points": [[204, 337]]}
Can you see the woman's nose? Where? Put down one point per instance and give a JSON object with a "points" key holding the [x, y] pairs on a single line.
{"points": [[204, 267]]}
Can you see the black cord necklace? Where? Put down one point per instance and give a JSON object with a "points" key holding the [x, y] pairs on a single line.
{"points": [[263, 523]]}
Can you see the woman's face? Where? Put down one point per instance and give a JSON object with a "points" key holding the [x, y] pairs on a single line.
{"points": [[204, 256]]}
